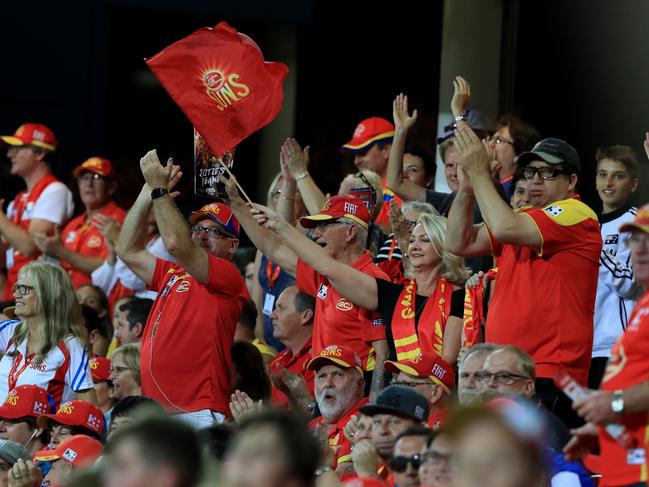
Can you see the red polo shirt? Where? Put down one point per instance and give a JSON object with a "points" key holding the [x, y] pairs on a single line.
{"points": [[294, 363], [544, 302], [185, 361], [337, 321], [85, 239]]}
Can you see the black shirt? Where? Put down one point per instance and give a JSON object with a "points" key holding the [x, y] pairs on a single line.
{"points": [[388, 296]]}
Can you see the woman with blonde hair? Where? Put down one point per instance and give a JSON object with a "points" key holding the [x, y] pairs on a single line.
{"points": [[125, 371], [44, 346]]}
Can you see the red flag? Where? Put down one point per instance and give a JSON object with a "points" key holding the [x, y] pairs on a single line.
{"points": [[219, 79]]}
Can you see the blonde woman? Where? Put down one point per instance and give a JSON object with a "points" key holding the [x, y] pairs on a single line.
{"points": [[125, 371], [422, 315], [44, 346]]}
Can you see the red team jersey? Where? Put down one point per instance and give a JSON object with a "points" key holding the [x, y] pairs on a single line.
{"points": [[185, 362], [627, 367], [337, 321], [85, 239], [544, 302]]}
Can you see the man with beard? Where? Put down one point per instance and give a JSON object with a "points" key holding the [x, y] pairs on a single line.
{"points": [[338, 390]]}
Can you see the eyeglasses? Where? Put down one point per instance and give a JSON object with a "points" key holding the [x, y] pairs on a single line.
{"points": [[503, 378], [23, 289], [276, 193], [211, 231], [399, 464], [411, 224], [92, 177], [435, 457], [498, 140], [322, 226], [118, 369], [637, 241], [544, 172], [410, 384]]}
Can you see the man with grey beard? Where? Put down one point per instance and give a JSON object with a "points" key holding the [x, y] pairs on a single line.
{"points": [[469, 365], [338, 388]]}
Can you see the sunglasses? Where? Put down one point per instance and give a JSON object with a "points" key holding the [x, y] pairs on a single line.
{"points": [[399, 464]]}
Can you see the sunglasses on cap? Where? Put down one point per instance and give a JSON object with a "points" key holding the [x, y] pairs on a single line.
{"points": [[399, 464]]}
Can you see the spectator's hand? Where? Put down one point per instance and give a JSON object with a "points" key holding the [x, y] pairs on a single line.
{"points": [[25, 474], [49, 245], [155, 174], [461, 96], [365, 458], [108, 227], [265, 216], [583, 441], [241, 406], [230, 183], [463, 181], [646, 144], [291, 384], [327, 453], [596, 407], [293, 160], [398, 223], [474, 155], [402, 119], [351, 428]]}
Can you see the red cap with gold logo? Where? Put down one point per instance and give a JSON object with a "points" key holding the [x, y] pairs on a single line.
{"points": [[430, 366], [97, 165], [368, 132], [338, 355], [35, 134], [340, 207], [221, 214], [78, 451], [76, 413], [100, 369], [27, 400]]}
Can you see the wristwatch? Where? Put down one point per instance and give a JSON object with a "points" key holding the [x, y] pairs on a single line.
{"points": [[302, 175], [459, 118], [157, 192], [617, 404], [320, 470]]}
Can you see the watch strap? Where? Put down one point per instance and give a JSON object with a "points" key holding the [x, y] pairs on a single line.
{"points": [[158, 192]]}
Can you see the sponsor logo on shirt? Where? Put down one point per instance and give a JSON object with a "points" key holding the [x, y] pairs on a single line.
{"points": [[71, 236], [344, 305], [183, 287], [322, 292], [554, 210], [612, 239], [378, 322]]}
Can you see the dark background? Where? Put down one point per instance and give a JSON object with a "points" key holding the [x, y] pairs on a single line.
{"points": [[577, 70]]}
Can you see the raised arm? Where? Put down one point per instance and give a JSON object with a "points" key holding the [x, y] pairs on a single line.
{"points": [[355, 285], [269, 244], [296, 162], [402, 124]]}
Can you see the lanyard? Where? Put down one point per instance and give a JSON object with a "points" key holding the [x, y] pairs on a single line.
{"points": [[15, 372], [272, 276]]}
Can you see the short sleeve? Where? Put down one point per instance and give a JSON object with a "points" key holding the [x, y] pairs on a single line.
{"points": [[496, 246], [224, 278], [6, 333], [161, 274], [78, 377], [54, 204], [307, 279]]}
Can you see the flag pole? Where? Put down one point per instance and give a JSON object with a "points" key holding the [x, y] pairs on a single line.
{"points": [[235, 181]]}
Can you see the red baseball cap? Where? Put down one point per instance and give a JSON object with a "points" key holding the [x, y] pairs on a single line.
{"points": [[100, 369], [368, 132], [339, 207], [32, 134], [97, 165], [78, 451], [338, 355], [76, 413], [641, 221], [221, 214], [431, 366], [27, 400]]}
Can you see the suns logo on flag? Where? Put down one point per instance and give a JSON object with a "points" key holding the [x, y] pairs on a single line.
{"points": [[224, 90], [554, 210]]}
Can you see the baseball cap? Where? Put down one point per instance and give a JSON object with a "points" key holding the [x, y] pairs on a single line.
{"points": [[368, 132], [399, 401], [76, 413], [641, 221], [221, 214], [78, 451], [338, 355], [431, 366], [27, 400], [97, 165], [339, 207], [35, 134], [552, 151], [100, 369], [11, 452]]}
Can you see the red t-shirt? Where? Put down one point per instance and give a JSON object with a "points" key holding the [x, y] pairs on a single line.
{"points": [[437, 419], [544, 302], [185, 360], [82, 237], [337, 439], [294, 363], [337, 321], [627, 367]]}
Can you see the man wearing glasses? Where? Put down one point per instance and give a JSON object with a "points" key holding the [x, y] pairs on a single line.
{"points": [[185, 358], [44, 205], [548, 259]]}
